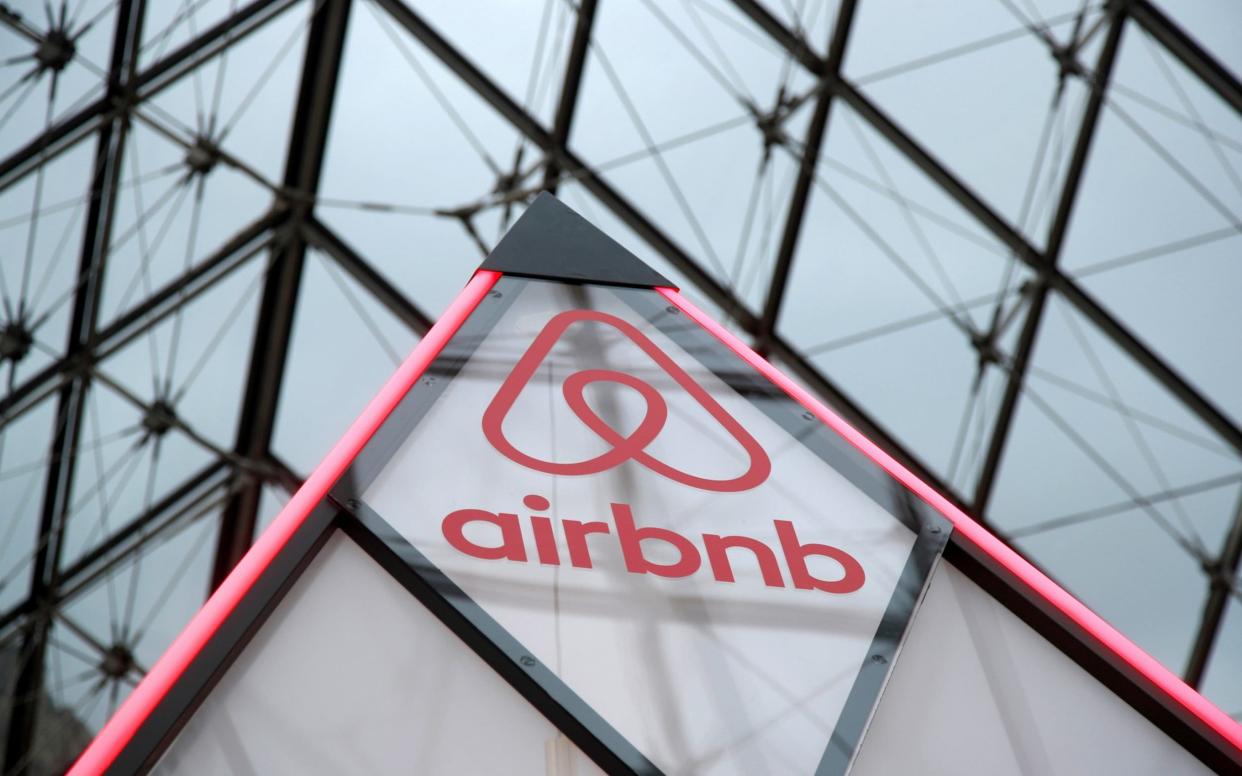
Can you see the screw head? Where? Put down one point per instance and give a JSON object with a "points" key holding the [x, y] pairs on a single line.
{"points": [[527, 660]]}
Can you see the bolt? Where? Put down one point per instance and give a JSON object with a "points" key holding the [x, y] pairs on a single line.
{"points": [[117, 662], [879, 659], [15, 342], [55, 51], [527, 660], [202, 157], [160, 418], [672, 309]]}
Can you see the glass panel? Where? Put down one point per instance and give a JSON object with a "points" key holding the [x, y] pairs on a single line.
{"points": [[970, 665], [351, 675]]}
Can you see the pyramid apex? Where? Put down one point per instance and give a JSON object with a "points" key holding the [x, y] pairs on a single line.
{"points": [[552, 241]]}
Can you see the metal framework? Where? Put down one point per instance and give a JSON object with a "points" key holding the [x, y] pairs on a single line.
{"points": [[225, 488]]}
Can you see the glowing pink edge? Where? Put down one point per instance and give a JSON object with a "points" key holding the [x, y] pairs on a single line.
{"points": [[1089, 621], [117, 733]]}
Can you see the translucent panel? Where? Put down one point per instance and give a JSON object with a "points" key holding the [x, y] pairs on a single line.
{"points": [[970, 664], [382, 184], [931, 64], [678, 657], [890, 284], [344, 347], [352, 674]]}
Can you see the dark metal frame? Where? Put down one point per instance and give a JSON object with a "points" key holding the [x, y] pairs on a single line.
{"points": [[292, 225]]}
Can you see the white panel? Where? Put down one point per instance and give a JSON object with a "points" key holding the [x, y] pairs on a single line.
{"points": [[352, 675], [977, 691]]}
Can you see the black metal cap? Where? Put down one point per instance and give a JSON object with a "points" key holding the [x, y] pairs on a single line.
{"points": [[552, 241]]}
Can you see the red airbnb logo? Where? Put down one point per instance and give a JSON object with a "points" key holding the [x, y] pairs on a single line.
{"points": [[631, 447]]}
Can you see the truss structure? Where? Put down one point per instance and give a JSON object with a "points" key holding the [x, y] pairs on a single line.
{"points": [[996, 239]]}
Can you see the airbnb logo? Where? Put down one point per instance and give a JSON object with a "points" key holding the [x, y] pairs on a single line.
{"points": [[623, 447], [465, 529]]}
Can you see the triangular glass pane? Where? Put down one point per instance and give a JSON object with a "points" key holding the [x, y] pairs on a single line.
{"points": [[350, 674]]}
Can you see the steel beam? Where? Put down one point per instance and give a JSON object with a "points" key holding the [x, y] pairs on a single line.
{"points": [[1098, 82], [324, 51], [1216, 76], [829, 75], [570, 85]]}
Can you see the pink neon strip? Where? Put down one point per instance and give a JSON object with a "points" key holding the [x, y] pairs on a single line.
{"points": [[1089, 621], [117, 733]]}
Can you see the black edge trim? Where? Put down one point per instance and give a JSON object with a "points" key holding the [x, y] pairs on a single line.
{"points": [[185, 696], [551, 241], [534, 681], [1093, 657]]}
